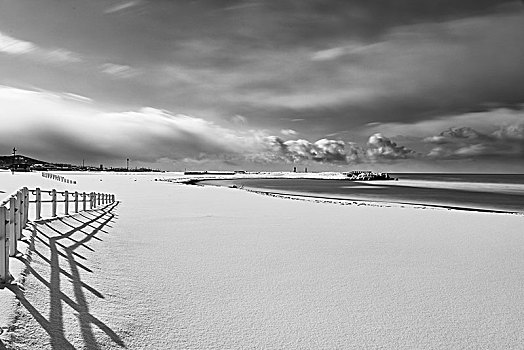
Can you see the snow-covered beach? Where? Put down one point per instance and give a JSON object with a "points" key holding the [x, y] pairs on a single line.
{"points": [[173, 266]]}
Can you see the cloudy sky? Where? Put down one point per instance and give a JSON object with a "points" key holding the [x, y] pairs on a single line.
{"points": [[411, 85]]}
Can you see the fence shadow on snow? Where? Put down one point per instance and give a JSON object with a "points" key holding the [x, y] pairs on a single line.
{"points": [[55, 245]]}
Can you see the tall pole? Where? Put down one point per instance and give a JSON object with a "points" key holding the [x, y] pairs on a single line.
{"points": [[127, 164], [14, 156]]}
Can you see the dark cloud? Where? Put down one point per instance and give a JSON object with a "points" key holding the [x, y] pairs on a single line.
{"points": [[465, 134], [305, 22], [300, 21], [332, 65], [423, 72], [507, 142], [413, 72]]}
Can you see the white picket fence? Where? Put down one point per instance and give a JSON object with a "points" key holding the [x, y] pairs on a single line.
{"points": [[14, 216]]}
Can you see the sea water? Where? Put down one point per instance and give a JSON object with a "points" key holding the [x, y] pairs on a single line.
{"points": [[491, 192]]}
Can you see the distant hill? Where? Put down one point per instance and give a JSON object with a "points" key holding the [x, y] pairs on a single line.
{"points": [[24, 163], [6, 161]]}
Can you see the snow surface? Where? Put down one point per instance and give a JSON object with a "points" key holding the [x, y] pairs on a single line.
{"points": [[191, 267]]}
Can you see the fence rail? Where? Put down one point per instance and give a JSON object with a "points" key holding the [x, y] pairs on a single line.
{"points": [[14, 216]]}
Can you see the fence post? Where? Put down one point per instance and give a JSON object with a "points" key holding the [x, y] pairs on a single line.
{"points": [[26, 206], [18, 216], [38, 200], [76, 201], [66, 202], [91, 202], [84, 200], [113, 198], [4, 247], [98, 195], [12, 228], [21, 208], [53, 203]]}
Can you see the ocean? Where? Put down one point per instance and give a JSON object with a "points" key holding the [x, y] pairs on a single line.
{"points": [[481, 192]]}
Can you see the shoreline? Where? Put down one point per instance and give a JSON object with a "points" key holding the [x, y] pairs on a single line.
{"points": [[346, 200], [381, 204]]}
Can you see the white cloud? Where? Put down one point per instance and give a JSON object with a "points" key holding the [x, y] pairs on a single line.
{"points": [[77, 97], [13, 46], [298, 151], [122, 6], [439, 152], [62, 55], [341, 51], [119, 70], [55, 124], [329, 54], [435, 139], [381, 147], [471, 150], [512, 131], [288, 132], [336, 151]]}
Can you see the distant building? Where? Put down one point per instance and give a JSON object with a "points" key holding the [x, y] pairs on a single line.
{"points": [[21, 167], [39, 167]]}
